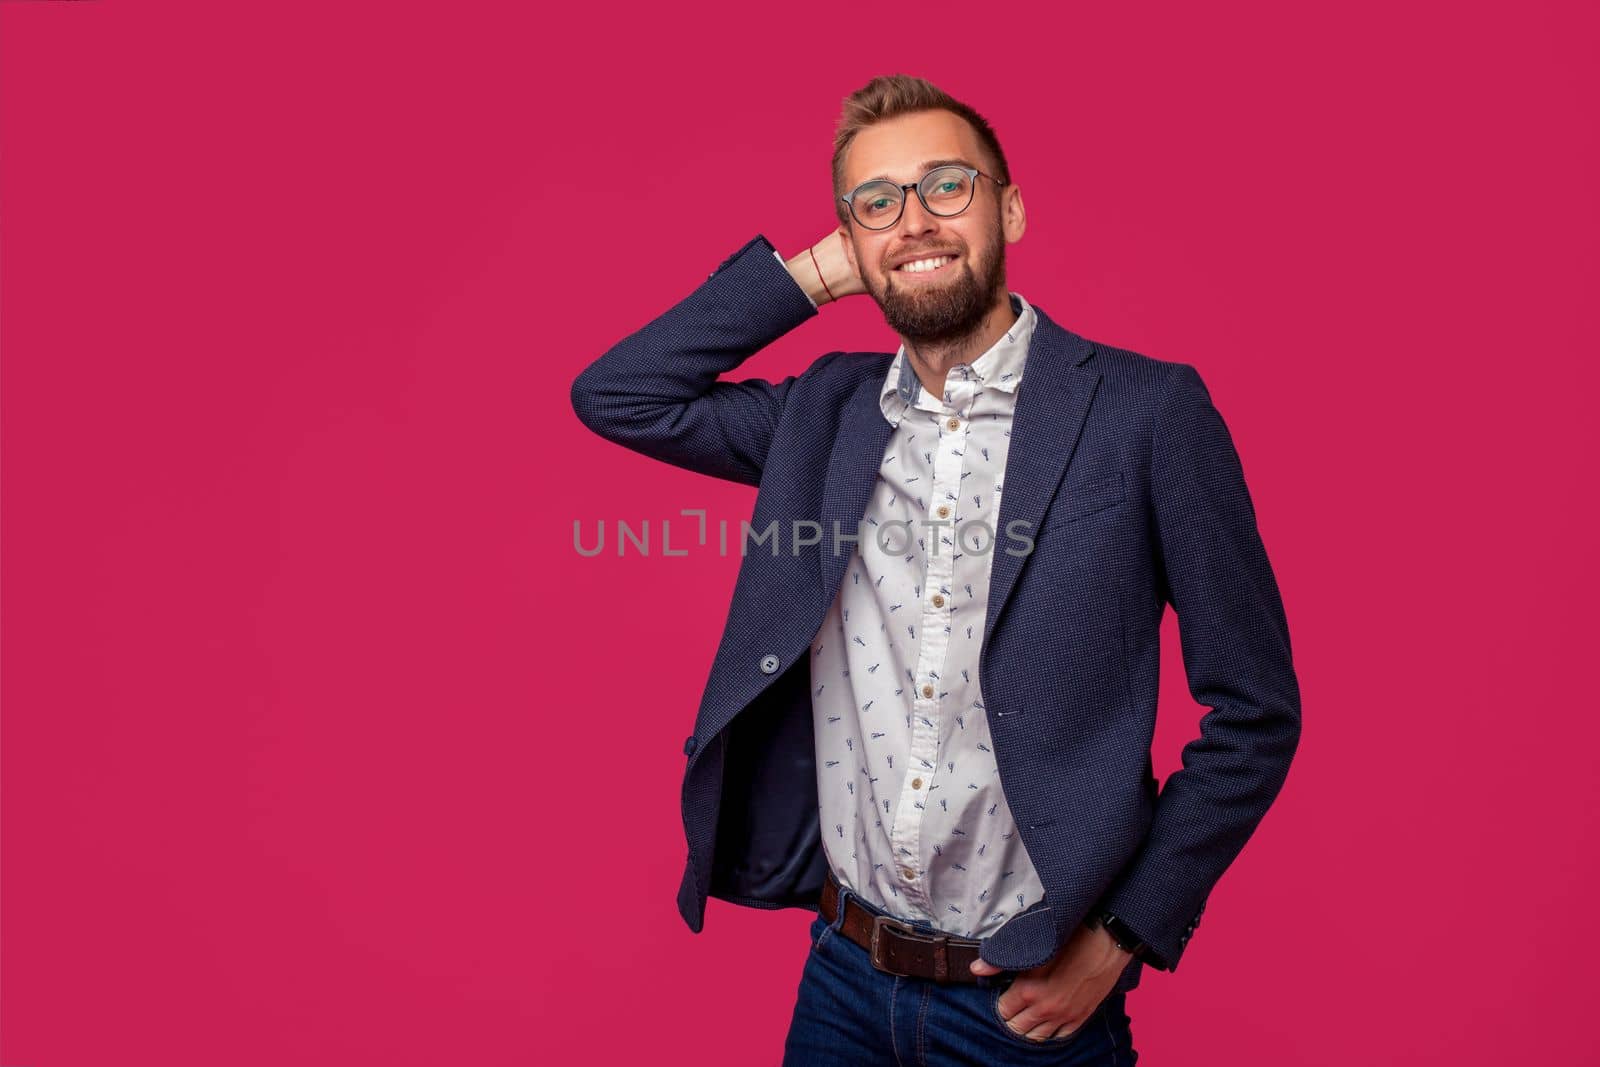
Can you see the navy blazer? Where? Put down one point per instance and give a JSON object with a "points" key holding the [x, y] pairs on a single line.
{"points": [[1134, 498]]}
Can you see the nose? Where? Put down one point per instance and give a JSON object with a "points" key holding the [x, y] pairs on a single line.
{"points": [[916, 219]]}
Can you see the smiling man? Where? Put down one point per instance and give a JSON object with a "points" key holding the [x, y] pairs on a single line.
{"points": [[933, 724]]}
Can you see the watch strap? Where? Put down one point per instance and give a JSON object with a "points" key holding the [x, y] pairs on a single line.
{"points": [[1123, 935]]}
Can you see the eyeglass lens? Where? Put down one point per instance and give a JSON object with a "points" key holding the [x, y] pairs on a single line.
{"points": [[945, 191]]}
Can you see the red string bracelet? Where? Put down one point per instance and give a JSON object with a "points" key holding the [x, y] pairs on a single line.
{"points": [[820, 278]]}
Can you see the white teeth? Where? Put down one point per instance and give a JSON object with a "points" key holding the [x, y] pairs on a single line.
{"points": [[925, 264]]}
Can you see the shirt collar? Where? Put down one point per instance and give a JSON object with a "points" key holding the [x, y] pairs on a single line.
{"points": [[998, 368]]}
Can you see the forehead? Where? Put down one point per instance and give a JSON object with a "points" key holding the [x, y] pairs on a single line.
{"points": [[897, 148]]}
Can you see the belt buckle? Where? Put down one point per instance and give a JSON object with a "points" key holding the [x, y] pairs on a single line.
{"points": [[875, 950]]}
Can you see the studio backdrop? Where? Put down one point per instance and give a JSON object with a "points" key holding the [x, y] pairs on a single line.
{"points": [[324, 743]]}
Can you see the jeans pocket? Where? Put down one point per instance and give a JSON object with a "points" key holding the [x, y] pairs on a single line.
{"points": [[821, 930], [1047, 1042]]}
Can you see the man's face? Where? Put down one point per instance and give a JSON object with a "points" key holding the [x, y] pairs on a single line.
{"points": [[950, 303]]}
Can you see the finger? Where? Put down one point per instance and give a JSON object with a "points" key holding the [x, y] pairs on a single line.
{"points": [[1038, 1021], [1026, 1020], [1046, 1030], [1063, 1031]]}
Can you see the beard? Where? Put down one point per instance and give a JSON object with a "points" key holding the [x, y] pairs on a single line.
{"points": [[950, 309]]}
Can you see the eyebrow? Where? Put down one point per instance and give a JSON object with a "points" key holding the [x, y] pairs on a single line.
{"points": [[924, 169]]}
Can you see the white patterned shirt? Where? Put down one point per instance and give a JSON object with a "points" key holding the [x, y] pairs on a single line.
{"points": [[913, 816]]}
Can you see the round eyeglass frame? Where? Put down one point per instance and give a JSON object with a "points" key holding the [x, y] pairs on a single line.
{"points": [[972, 174]]}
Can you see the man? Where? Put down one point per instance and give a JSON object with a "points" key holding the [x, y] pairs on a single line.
{"points": [[933, 723]]}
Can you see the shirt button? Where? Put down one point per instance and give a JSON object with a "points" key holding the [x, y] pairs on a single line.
{"points": [[909, 873], [938, 600], [927, 690], [943, 511], [916, 783], [954, 424], [768, 664]]}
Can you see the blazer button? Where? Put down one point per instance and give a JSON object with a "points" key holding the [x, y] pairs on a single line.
{"points": [[769, 663], [689, 745]]}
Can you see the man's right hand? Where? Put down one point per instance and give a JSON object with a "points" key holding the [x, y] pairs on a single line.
{"points": [[832, 265]]}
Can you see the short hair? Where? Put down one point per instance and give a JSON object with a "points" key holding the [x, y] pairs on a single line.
{"points": [[889, 96]]}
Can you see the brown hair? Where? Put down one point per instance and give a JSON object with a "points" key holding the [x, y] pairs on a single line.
{"points": [[889, 96]]}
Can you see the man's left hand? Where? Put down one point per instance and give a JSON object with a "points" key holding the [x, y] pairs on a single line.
{"points": [[1054, 998]]}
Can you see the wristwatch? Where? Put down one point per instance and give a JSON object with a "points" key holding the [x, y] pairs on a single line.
{"points": [[1125, 938]]}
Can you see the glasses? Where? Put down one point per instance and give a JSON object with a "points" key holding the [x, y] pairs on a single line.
{"points": [[944, 191]]}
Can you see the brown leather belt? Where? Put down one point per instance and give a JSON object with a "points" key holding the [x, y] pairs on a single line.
{"points": [[896, 947]]}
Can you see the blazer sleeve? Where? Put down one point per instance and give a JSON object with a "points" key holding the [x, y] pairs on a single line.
{"points": [[656, 391], [1214, 571]]}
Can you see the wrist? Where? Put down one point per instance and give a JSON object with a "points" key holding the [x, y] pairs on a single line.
{"points": [[804, 272], [1127, 943]]}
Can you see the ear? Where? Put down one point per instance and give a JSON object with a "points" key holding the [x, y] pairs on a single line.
{"points": [[1014, 218]]}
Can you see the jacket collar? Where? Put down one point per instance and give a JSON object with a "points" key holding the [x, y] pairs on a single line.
{"points": [[998, 368]]}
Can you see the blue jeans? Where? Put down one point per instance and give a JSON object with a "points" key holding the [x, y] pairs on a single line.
{"points": [[850, 1014]]}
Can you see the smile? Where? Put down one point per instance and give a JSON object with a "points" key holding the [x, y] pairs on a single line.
{"points": [[923, 268]]}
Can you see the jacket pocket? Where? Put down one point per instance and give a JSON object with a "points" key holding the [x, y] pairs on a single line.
{"points": [[1094, 493]]}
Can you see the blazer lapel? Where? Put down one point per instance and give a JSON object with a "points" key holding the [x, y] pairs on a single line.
{"points": [[1052, 402], [852, 472]]}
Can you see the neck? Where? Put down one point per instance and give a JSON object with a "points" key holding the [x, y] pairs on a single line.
{"points": [[932, 360]]}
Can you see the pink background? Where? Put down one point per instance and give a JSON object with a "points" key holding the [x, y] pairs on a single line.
{"points": [[322, 745]]}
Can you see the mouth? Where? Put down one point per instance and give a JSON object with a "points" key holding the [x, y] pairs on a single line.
{"points": [[923, 269]]}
